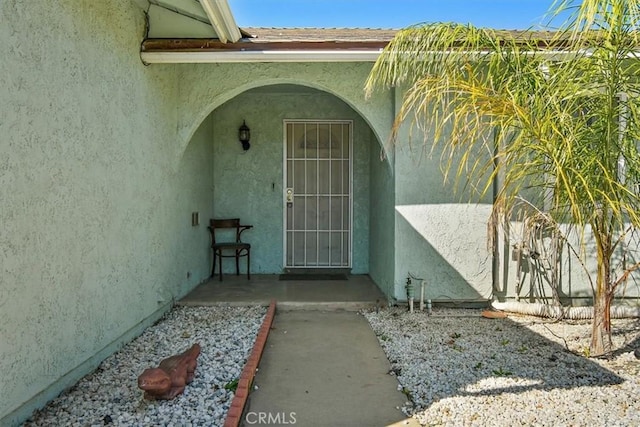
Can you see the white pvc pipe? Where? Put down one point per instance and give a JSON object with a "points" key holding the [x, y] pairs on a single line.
{"points": [[573, 313]]}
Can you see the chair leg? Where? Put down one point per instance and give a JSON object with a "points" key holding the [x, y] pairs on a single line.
{"points": [[249, 265], [237, 263], [221, 267], [213, 268]]}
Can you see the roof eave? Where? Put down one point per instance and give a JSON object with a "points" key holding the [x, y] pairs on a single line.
{"points": [[222, 20]]}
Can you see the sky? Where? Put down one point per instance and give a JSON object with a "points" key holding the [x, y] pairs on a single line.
{"points": [[499, 14]]}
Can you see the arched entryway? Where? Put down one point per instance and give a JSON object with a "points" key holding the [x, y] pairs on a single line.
{"points": [[252, 184]]}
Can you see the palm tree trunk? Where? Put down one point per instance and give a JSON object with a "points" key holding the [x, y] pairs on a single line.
{"points": [[601, 328]]}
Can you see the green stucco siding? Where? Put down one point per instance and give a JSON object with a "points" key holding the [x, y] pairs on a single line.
{"points": [[440, 236], [95, 235], [204, 87], [382, 232]]}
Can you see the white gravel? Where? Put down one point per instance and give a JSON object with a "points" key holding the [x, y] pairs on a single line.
{"points": [[457, 369], [460, 369], [110, 395]]}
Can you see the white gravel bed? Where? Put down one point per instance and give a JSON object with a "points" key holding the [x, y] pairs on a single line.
{"points": [[110, 395], [459, 369]]}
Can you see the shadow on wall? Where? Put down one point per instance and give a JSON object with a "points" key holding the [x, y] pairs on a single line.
{"points": [[446, 245]]}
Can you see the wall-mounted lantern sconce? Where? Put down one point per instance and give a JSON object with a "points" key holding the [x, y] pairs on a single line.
{"points": [[244, 135]]}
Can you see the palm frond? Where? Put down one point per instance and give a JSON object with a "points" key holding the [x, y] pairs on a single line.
{"points": [[556, 117]]}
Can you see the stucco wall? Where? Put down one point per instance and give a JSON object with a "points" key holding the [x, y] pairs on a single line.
{"points": [[249, 184], [95, 236], [440, 235], [524, 277], [192, 192], [205, 87], [382, 236]]}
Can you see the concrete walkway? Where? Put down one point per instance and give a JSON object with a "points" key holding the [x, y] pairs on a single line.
{"points": [[323, 368]]}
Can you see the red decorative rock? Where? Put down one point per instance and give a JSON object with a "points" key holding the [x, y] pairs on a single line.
{"points": [[172, 375], [490, 314]]}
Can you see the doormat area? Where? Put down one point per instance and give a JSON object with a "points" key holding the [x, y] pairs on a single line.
{"points": [[302, 277]]}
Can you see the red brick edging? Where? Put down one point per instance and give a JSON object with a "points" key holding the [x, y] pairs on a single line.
{"points": [[246, 378]]}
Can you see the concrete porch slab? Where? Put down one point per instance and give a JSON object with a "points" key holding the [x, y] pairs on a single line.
{"points": [[355, 293]]}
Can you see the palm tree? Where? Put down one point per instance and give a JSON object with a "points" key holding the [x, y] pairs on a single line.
{"points": [[557, 111]]}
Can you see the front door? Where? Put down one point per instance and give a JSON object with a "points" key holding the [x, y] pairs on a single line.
{"points": [[317, 199]]}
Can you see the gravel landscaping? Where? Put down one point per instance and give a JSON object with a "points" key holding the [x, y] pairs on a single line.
{"points": [[110, 395], [456, 368], [459, 369]]}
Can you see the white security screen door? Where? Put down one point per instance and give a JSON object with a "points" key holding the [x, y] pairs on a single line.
{"points": [[317, 199]]}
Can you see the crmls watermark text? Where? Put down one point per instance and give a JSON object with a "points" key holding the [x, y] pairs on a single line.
{"points": [[270, 418]]}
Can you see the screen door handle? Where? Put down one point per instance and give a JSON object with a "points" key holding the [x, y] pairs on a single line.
{"points": [[289, 196]]}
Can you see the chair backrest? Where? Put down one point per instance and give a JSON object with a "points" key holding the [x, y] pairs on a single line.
{"points": [[228, 223]]}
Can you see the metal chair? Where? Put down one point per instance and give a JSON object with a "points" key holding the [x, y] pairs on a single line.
{"points": [[233, 248]]}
